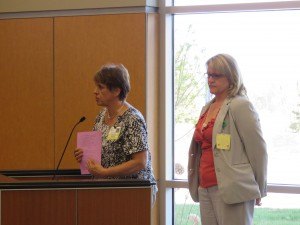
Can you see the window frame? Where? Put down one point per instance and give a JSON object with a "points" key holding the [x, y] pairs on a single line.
{"points": [[166, 10]]}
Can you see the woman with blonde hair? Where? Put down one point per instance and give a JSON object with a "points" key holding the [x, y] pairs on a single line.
{"points": [[227, 156]]}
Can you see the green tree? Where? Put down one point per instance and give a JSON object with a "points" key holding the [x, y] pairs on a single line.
{"points": [[295, 125], [189, 81]]}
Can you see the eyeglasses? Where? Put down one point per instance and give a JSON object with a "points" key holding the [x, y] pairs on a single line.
{"points": [[214, 75]]}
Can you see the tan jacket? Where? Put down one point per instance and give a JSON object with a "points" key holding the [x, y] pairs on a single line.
{"points": [[242, 170]]}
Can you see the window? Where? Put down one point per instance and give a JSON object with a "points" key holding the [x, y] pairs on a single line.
{"points": [[265, 44], [217, 2]]}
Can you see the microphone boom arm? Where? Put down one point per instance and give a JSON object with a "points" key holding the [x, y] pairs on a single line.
{"points": [[56, 170]]}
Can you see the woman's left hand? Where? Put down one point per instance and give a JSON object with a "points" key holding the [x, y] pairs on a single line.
{"points": [[96, 169], [258, 201]]}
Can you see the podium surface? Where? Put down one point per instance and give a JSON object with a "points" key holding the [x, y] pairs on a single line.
{"points": [[70, 199]]}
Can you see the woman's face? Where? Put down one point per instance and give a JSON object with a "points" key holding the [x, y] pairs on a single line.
{"points": [[104, 96], [217, 82]]}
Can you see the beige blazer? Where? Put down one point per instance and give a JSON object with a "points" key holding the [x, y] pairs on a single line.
{"points": [[241, 171]]}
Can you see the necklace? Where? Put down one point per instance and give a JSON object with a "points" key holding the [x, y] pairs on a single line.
{"points": [[117, 113]]}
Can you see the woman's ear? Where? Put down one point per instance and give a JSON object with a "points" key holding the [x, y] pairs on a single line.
{"points": [[116, 91]]}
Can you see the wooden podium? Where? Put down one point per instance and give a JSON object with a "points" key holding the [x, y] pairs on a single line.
{"points": [[33, 198]]}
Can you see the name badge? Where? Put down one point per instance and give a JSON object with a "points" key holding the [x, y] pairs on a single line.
{"points": [[113, 133], [223, 141]]}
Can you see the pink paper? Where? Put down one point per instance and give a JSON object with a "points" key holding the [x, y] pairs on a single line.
{"points": [[91, 144]]}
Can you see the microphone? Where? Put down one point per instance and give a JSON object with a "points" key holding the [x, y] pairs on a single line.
{"points": [[62, 155]]}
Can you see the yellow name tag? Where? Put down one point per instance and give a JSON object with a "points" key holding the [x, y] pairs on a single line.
{"points": [[223, 141], [114, 134]]}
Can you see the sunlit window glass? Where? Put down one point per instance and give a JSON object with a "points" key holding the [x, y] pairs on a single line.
{"points": [[218, 2], [267, 48], [276, 209]]}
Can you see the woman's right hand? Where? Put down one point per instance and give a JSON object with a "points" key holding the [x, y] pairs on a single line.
{"points": [[78, 153]]}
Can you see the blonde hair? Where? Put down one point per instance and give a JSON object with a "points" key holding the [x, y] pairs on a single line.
{"points": [[227, 65]]}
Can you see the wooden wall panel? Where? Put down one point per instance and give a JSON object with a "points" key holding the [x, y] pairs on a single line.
{"points": [[131, 206], [26, 90], [38, 207], [9, 6], [82, 45]]}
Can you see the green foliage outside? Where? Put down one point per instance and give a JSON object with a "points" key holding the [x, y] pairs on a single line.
{"points": [[266, 216], [182, 213], [189, 81], [262, 216], [189, 87], [190, 84], [295, 125]]}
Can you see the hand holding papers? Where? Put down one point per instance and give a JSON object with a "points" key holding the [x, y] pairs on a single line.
{"points": [[90, 143]]}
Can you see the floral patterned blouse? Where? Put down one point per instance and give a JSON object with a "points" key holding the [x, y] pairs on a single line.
{"points": [[133, 138]]}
